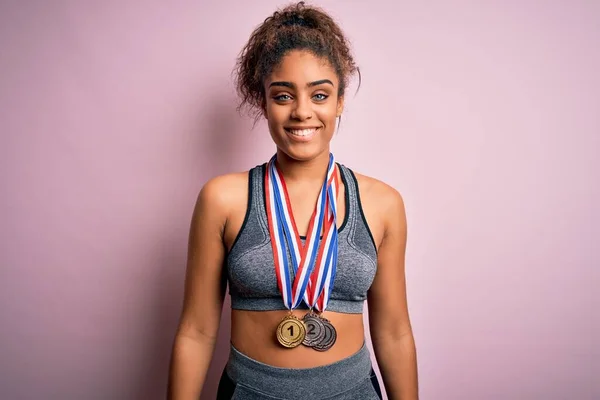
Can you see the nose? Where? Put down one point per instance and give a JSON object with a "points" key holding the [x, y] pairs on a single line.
{"points": [[302, 109]]}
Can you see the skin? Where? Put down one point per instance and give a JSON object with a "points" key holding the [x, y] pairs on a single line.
{"points": [[301, 92]]}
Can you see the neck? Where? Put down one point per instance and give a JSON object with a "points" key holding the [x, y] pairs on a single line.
{"points": [[311, 170]]}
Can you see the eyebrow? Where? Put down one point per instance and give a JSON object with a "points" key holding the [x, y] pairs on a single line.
{"points": [[310, 84]]}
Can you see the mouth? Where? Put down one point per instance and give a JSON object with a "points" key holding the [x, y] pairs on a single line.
{"points": [[303, 134]]}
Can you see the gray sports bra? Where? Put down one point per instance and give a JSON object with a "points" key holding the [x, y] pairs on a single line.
{"points": [[250, 265]]}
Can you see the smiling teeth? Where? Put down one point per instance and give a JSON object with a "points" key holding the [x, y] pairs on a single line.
{"points": [[301, 132]]}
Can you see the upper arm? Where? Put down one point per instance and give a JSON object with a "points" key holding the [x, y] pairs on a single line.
{"points": [[205, 280], [388, 309]]}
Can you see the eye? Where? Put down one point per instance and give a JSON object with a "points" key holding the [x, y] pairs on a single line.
{"points": [[282, 97], [320, 96]]}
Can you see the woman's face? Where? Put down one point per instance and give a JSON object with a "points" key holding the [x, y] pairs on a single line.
{"points": [[302, 104]]}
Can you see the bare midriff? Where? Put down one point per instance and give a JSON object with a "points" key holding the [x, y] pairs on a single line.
{"points": [[253, 333]]}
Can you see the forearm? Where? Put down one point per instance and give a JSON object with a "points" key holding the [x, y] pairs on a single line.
{"points": [[397, 360], [189, 364]]}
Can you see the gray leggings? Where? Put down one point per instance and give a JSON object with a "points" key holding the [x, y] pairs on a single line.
{"points": [[350, 378]]}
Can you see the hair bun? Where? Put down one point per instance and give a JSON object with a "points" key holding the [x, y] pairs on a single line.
{"points": [[296, 20], [298, 17]]}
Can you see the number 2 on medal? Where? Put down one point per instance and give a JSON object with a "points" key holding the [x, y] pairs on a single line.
{"points": [[311, 329], [291, 329]]}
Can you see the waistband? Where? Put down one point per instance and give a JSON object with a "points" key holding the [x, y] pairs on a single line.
{"points": [[317, 382]]}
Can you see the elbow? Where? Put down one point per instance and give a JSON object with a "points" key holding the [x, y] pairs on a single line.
{"points": [[401, 345], [196, 334], [392, 333]]}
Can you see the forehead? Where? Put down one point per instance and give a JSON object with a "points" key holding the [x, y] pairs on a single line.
{"points": [[302, 67]]}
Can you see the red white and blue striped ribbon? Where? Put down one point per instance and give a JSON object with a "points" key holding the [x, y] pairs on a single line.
{"points": [[314, 262]]}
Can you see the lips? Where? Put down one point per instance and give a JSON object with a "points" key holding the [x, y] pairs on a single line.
{"points": [[304, 132]]}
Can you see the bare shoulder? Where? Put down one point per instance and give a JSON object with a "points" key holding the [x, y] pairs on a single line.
{"points": [[383, 207], [373, 190], [223, 193], [223, 189]]}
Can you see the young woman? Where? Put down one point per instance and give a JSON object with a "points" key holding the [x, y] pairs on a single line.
{"points": [[302, 240]]}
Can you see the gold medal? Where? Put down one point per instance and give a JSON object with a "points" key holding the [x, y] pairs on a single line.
{"points": [[291, 331]]}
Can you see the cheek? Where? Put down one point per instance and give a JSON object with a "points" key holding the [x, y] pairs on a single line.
{"points": [[328, 114], [276, 113]]}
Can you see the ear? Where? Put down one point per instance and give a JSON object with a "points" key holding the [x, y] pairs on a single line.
{"points": [[263, 108], [340, 106]]}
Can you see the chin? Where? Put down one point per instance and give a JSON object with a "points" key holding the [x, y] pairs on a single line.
{"points": [[305, 153]]}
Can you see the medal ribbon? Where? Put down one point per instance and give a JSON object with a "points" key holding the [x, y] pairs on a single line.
{"points": [[314, 265]]}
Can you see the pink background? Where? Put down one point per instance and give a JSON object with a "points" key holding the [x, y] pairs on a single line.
{"points": [[486, 118]]}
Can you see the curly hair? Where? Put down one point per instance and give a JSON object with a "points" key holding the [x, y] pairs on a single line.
{"points": [[295, 27]]}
